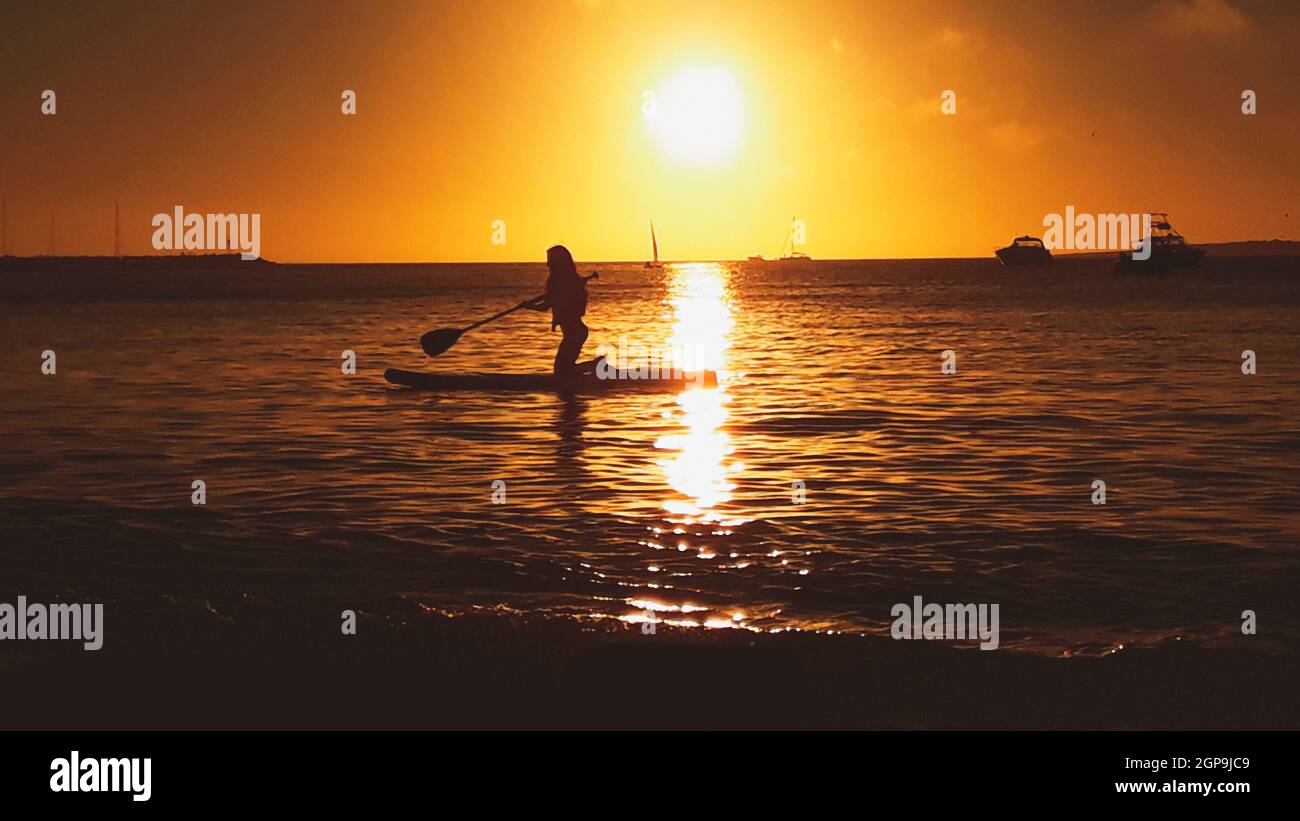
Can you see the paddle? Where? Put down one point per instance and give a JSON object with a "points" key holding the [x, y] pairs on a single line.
{"points": [[438, 341]]}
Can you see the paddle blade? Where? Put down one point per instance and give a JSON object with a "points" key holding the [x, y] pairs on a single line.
{"points": [[435, 342]]}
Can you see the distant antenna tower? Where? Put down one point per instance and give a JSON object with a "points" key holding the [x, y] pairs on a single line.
{"points": [[4, 228], [117, 229]]}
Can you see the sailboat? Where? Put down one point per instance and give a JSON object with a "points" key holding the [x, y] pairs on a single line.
{"points": [[654, 245], [793, 256]]}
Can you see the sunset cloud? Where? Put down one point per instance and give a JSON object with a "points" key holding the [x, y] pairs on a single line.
{"points": [[1215, 18], [1016, 136], [957, 39]]}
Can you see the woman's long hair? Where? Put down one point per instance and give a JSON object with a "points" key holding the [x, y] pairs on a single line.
{"points": [[563, 268]]}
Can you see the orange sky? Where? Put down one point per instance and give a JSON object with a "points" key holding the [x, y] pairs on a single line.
{"points": [[532, 113]]}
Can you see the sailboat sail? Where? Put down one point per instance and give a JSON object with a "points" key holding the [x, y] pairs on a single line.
{"points": [[654, 243], [793, 255]]}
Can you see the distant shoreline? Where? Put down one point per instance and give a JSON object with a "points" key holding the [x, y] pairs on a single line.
{"points": [[1261, 248]]}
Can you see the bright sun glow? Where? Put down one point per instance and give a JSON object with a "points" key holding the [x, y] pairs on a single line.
{"points": [[697, 116]]}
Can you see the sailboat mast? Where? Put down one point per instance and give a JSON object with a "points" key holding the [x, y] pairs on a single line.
{"points": [[789, 235], [654, 242], [117, 229]]}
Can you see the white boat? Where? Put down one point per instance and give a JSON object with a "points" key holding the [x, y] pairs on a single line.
{"points": [[1022, 251], [1169, 249]]}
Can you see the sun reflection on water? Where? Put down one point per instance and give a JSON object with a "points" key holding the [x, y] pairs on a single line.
{"points": [[696, 459], [697, 470]]}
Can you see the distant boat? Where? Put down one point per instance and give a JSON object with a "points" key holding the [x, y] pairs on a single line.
{"points": [[1168, 250], [654, 245], [1024, 251], [756, 258], [792, 255]]}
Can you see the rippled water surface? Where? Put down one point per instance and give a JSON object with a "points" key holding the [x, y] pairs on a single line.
{"points": [[834, 472]]}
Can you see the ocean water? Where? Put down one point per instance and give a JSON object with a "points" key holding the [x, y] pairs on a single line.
{"points": [[834, 473]]}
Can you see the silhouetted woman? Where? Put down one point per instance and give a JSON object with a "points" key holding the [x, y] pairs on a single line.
{"points": [[566, 297]]}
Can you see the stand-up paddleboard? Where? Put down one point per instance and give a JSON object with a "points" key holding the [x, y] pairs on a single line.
{"points": [[540, 383]]}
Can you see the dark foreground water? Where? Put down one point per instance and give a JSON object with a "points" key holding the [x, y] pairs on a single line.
{"points": [[835, 472]]}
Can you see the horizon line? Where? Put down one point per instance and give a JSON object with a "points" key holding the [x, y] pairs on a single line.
{"points": [[990, 256]]}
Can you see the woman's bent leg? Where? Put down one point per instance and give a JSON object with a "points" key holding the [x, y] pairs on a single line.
{"points": [[575, 335]]}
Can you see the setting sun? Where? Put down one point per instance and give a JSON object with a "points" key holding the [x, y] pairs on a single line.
{"points": [[697, 116]]}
